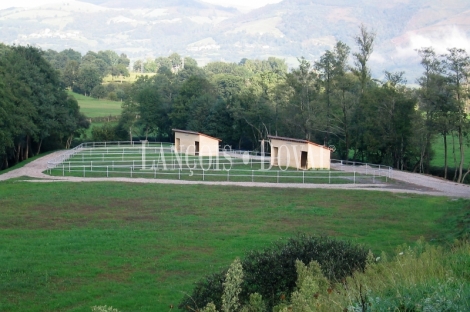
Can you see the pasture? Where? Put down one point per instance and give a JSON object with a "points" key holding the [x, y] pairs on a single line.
{"points": [[140, 247], [92, 107], [438, 148]]}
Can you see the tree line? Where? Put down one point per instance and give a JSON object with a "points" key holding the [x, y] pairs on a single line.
{"points": [[333, 101], [84, 74], [35, 111]]}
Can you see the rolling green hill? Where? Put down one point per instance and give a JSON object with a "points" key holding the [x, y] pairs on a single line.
{"points": [[92, 107]]}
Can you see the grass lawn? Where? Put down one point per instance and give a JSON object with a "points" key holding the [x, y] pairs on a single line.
{"points": [[140, 247], [438, 148], [92, 107]]}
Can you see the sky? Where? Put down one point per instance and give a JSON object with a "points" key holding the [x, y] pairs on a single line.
{"points": [[235, 3]]}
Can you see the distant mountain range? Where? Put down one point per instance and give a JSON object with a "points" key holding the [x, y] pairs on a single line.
{"points": [[206, 32]]}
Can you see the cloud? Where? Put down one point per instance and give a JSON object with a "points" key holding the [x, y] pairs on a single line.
{"points": [[441, 40]]}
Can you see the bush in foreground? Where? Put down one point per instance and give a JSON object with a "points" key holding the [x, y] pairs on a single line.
{"points": [[271, 273], [420, 279]]}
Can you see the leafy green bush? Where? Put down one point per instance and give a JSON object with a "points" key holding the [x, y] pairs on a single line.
{"points": [[272, 272]]}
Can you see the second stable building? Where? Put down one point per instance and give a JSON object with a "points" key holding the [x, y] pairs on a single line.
{"points": [[195, 143], [300, 154]]}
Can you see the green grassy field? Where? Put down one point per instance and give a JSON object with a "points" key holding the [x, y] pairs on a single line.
{"points": [[92, 107], [140, 247], [438, 148]]}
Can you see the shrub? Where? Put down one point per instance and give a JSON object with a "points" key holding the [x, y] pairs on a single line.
{"points": [[112, 96], [272, 272], [106, 132]]}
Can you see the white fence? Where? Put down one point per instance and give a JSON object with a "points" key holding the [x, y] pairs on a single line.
{"points": [[158, 160]]}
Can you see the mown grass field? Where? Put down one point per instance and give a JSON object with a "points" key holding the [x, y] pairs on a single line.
{"points": [[140, 247], [438, 148], [92, 107]]}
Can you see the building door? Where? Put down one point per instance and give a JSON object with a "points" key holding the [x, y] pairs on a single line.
{"points": [[197, 147], [275, 156], [177, 145], [303, 160]]}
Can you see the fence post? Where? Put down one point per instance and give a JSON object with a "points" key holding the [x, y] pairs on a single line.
{"points": [[133, 164], [131, 172], [203, 175], [179, 173], [329, 176], [228, 175], [91, 165], [354, 175], [69, 166], [252, 176], [63, 170], [107, 171], [83, 170]]}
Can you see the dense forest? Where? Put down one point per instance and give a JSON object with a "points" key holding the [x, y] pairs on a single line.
{"points": [[333, 101], [35, 111]]}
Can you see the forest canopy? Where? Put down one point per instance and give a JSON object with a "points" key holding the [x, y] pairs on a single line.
{"points": [[35, 110]]}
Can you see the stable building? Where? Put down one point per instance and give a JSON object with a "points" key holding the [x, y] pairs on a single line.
{"points": [[195, 143], [300, 154]]}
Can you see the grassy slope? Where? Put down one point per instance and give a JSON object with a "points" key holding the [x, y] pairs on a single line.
{"points": [[92, 107], [66, 247]]}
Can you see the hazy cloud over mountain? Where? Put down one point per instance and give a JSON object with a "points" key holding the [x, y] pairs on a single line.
{"points": [[209, 31]]}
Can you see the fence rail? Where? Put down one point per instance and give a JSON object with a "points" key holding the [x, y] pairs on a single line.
{"points": [[158, 160], [136, 170]]}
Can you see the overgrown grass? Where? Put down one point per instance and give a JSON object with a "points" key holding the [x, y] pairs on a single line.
{"points": [[92, 107], [70, 246], [418, 278]]}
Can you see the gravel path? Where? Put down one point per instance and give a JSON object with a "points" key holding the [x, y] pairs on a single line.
{"points": [[405, 182]]}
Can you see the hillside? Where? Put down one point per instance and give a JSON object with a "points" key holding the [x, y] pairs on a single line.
{"points": [[206, 32]]}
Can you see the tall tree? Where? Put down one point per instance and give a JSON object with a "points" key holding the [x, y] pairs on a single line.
{"points": [[457, 63], [88, 78], [365, 43]]}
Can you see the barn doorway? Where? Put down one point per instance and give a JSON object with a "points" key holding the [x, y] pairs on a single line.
{"points": [[197, 148], [275, 156], [303, 160], [177, 145]]}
